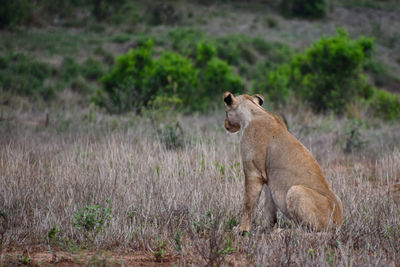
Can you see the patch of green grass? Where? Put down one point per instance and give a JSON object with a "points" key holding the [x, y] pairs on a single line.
{"points": [[23, 75], [121, 38]]}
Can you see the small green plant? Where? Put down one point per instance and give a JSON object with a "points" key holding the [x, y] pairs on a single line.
{"points": [[353, 136], [159, 250], [92, 219], [172, 136], [25, 259], [178, 240], [232, 222], [52, 235], [221, 168]]}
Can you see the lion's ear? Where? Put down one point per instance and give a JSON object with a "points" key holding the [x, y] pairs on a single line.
{"points": [[259, 99], [229, 98]]}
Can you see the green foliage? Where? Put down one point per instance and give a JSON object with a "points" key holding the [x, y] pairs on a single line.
{"points": [[219, 77], [70, 69], [159, 249], [23, 75], [92, 219], [386, 105], [329, 74], [173, 75], [184, 40], [235, 48], [14, 12], [92, 69], [261, 45], [124, 87], [53, 233], [274, 85], [205, 52], [304, 8], [139, 81], [178, 240]]}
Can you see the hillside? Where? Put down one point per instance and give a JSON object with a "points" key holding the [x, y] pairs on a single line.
{"points": [[112, 146]]}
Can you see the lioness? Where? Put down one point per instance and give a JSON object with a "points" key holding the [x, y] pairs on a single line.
{"points": [[274, 159]]}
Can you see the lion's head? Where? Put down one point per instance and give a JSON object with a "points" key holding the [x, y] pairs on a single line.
{"points": [[239, 110]]}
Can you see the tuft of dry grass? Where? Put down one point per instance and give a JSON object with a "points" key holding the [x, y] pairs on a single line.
{"points": [[183, 203]]}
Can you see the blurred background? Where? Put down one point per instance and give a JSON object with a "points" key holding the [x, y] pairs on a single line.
{"points": [[118, 55]]}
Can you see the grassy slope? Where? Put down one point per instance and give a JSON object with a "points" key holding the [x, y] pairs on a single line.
{"points": [[161, 199]]}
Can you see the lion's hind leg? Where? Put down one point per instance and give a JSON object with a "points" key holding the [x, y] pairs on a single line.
{"points": [[308, 207]]}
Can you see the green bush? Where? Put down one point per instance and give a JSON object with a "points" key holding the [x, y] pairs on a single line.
{"points": [[304, 8], [124, 86], [386, 105], [70, 69], [92, 219], [329, 74], [139, 81], [219, 77], [205, 52], [25, 76], [274, 85], [173, 75], [92, 69]]}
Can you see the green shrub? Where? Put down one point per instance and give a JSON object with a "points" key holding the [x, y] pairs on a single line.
{"points": [[261, 45], [219, 77], [173, 75], [329, 74], [14, 12], [205, 52], [25, 76], [124, 86], [304, 8], [139, 81], [92, 219], [274, 85], [92, 69], [386, 105], [70, 69]]}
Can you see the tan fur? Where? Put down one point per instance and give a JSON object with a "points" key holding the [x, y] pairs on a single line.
{"points": [[275, 160]]}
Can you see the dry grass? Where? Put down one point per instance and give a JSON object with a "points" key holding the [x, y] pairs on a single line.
{"points": [[183, 203]]}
